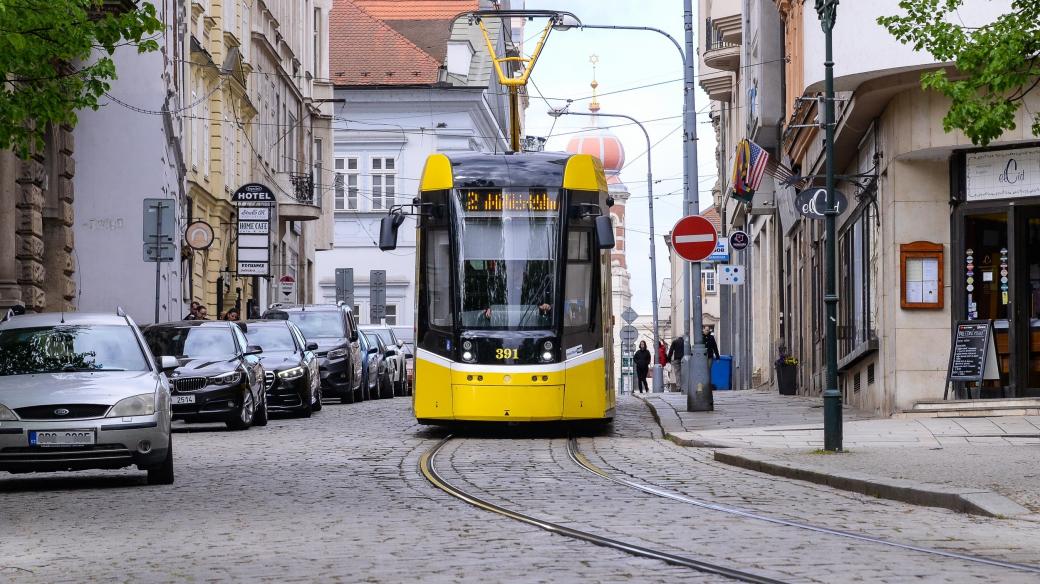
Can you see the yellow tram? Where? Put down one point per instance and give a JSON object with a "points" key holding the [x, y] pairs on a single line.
{"points": [[513, 302]]}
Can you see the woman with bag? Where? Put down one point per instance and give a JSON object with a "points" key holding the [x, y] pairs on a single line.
{"points": [[642, 361]]}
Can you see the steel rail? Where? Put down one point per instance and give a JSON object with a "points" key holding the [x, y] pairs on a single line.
{"points": [[581, 460], [427, 466]]}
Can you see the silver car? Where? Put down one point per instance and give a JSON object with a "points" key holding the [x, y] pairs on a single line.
{"points": [[82, 391]]}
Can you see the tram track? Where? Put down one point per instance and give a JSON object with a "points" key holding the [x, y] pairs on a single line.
{"points": [[582, 461], [428, 468]]}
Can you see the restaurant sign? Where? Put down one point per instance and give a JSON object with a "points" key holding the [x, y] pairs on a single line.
{"points": [[1002, 174]]}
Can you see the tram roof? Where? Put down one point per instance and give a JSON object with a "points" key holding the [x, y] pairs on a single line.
{"points": [[529, 169]]}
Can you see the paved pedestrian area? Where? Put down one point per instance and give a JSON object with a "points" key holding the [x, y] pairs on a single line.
{"points": [[339, 498], [937, 456], [765, 419]]}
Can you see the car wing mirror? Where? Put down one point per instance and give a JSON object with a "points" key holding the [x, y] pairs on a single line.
{"points": [[168, 362], [312, 346], [604, 232], [373, 350], [254, 350], [353, 337]]}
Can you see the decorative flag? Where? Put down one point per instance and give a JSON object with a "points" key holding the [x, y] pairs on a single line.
{"points": [[748, 167]]}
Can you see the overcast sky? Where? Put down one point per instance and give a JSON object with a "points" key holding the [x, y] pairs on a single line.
{"points": [[627, 59]]}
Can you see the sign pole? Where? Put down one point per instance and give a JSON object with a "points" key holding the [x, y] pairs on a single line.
{"points": [[832, 430], [159, 205]]}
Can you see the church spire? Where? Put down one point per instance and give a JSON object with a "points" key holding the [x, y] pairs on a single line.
{"points": [[594, 105]]}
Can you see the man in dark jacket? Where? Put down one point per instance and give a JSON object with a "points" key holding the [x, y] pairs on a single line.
{"points": [[710, 345], [675, 355]]}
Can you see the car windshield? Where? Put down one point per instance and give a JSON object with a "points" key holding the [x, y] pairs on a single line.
{"points": [[54, 349], [508, 244], [191, 341], [385, 334], [323, 323], [271, 337]]}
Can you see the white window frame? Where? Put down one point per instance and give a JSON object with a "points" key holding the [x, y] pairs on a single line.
{"points": [[343, 179], [379, 199], [709, 280], [390, 307]]}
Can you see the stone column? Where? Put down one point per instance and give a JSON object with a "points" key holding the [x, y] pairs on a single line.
{"points": [[10, 292], [29, 234], [58, 222]]}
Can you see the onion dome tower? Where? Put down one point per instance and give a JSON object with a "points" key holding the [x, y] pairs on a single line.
{"points": [[603, 144]]}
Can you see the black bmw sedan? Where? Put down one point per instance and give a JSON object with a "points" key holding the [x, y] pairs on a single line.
{"points": [[218, 377], [291, 368]]}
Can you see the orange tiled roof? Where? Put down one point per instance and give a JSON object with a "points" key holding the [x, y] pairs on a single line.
{"points": [[416, 9], [365, 50], [712, 215]]}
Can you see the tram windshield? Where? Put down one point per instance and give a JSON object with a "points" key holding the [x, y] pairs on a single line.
{"points": [[508, 244]]}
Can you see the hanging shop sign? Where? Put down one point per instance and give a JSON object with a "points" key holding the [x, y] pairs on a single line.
{"points": [[254, 193], [721, 253], [1002, 174], [812, 203], [738, 240], [198, 235], [730, 274], [254, 236]]}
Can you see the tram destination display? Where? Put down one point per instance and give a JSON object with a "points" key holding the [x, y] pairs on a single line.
{"points": [[973, 355], [498, 200]]}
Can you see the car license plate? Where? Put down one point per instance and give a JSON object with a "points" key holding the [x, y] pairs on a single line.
{"points": [[182, 399], [62, 438]]}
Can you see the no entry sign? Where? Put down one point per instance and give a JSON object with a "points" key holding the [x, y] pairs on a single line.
{"points": [[694, 238]]}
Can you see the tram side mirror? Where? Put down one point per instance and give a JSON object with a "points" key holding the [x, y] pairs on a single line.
{"points": [[604, 232], [388, 231]]}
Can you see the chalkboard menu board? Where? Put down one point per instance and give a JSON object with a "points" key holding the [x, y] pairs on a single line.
{"points": [[973, 356]]}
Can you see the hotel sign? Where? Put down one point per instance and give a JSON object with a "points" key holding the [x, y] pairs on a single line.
{"points": [[1002, 174]]}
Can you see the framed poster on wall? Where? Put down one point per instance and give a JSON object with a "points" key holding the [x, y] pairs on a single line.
{"points": [[921, 275]]}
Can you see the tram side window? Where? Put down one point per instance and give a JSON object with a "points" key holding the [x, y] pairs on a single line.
{"points": [[578, 288], [438, 278]]}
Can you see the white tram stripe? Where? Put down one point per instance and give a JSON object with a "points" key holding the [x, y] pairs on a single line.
{"points": [[488, 368]]}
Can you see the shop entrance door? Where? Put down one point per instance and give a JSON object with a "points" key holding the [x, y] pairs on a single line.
{"points": [[1025, 274], [986, 237], [1002, 281]]}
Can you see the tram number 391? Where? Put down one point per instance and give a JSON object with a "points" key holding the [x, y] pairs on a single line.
{"points": [[507, 353]]}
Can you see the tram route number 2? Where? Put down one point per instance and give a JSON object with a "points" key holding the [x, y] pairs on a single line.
{"points": [[507, 354]]}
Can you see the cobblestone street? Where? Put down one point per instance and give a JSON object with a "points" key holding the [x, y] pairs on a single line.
{"points": [[339, 498]]}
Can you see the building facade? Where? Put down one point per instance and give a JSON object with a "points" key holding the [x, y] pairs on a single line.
{"points": [[408, 83], [935, 230]]}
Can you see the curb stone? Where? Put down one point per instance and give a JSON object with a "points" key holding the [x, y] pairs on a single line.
{"points": [[964, 500]]}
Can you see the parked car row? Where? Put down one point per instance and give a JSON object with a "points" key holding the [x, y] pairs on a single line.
{"points": [[93, 391]]}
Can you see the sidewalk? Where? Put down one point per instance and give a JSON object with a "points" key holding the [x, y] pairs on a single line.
{"points": [[989, 466]]}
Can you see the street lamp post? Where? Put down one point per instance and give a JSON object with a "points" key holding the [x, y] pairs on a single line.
{"points": [[694, 370], [827, 12], [658, 374]]}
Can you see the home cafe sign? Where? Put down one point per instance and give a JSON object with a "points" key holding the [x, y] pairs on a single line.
{"points": [[1002, 174]]}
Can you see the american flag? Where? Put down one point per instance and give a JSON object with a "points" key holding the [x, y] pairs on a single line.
{"points": [[748, 168]]}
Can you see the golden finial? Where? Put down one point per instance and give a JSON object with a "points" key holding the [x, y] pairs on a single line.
{"points": [[594, 105]]}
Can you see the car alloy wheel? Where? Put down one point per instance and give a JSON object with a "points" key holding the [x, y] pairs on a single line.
{"points": [[248, 409]]}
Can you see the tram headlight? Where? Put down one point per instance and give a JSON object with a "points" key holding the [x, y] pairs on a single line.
{"points": [[467, 345], [467, 356], [547, 345], [547, 356]]}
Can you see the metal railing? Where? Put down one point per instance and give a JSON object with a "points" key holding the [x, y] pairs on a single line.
{"points": [[713, 37]]}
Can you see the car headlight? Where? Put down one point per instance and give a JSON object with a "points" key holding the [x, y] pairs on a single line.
{"points": [[290, 374], [138, 405], [6, 414], [337, 353], [229, 378]]}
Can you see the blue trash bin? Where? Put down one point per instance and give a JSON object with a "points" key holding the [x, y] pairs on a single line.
{"points": [[721, 371]]}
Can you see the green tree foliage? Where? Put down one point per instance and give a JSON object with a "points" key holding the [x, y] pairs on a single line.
{"points": [[996, 64], [56, 58]]}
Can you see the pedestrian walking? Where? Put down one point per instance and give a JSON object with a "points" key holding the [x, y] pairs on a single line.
{"points": [[675, 356], [711, 346], [642, 361], [202, 313]]}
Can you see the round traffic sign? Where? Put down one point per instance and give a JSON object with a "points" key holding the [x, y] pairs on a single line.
{"points": [[739, 240], [694, 238]]}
